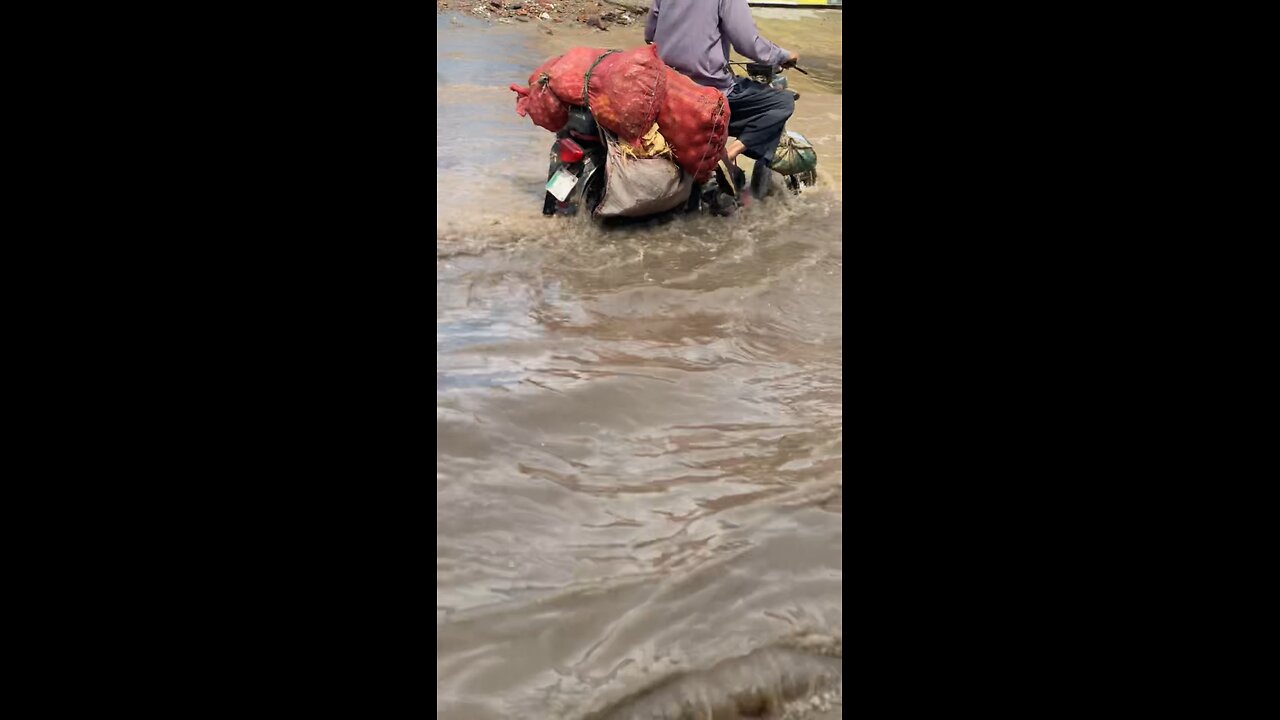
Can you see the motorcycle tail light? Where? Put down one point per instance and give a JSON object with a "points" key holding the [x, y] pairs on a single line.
{"points": [[570, 151]]}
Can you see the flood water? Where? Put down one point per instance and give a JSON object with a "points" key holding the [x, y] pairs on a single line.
{"points": [[639, 464]]}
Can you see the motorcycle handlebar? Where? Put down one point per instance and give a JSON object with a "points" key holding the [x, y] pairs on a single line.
{"points": [[780, 67]]}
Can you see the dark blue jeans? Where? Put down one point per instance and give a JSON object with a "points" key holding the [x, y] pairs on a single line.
{"points": [[757, 114]]}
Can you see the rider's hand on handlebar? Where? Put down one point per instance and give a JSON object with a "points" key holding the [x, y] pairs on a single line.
{"points": [[791, 61]]}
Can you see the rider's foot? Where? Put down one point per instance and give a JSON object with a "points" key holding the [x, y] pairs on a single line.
{"points": [[730, 178], [723, 179], [739, 177]]}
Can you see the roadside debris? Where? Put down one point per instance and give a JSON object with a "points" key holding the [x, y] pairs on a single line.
{"points": [[599, 14]]}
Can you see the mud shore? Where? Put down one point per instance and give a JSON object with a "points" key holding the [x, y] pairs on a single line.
{"points": [[600, 14]]}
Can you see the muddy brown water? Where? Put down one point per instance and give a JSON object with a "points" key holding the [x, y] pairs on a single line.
{"points": [[639, 464]]}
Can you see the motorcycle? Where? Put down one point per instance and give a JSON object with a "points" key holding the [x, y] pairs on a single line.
{"points": [[576, 176]]}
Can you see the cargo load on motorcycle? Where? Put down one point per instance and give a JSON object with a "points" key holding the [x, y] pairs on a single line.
{"points": [[636, 137], [629, 92]]}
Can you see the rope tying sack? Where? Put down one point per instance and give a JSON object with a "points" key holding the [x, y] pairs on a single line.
{"points": [[624, 89], [586, 78], [715, 120]]}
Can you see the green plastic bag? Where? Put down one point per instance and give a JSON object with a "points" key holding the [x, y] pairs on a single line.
{"points": [[794, 155]]}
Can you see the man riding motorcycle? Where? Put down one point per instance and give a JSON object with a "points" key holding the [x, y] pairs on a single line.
{"points": [[694, 38]]}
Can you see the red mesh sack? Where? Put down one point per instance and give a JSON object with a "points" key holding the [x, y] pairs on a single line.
{"points": [[539, 102], [543, 69], [627, 88], [695, 121], [546, 109], [569, 71], [522, 99]]}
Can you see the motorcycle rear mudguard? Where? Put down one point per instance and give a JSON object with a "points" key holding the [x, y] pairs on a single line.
{"points": [[589, 171], [592, 174]]}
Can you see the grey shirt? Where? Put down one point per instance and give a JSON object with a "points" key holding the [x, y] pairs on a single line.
{"points": [[693, 36]]}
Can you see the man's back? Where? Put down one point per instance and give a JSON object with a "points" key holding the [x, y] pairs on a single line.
{"points": [[693, 36]]}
